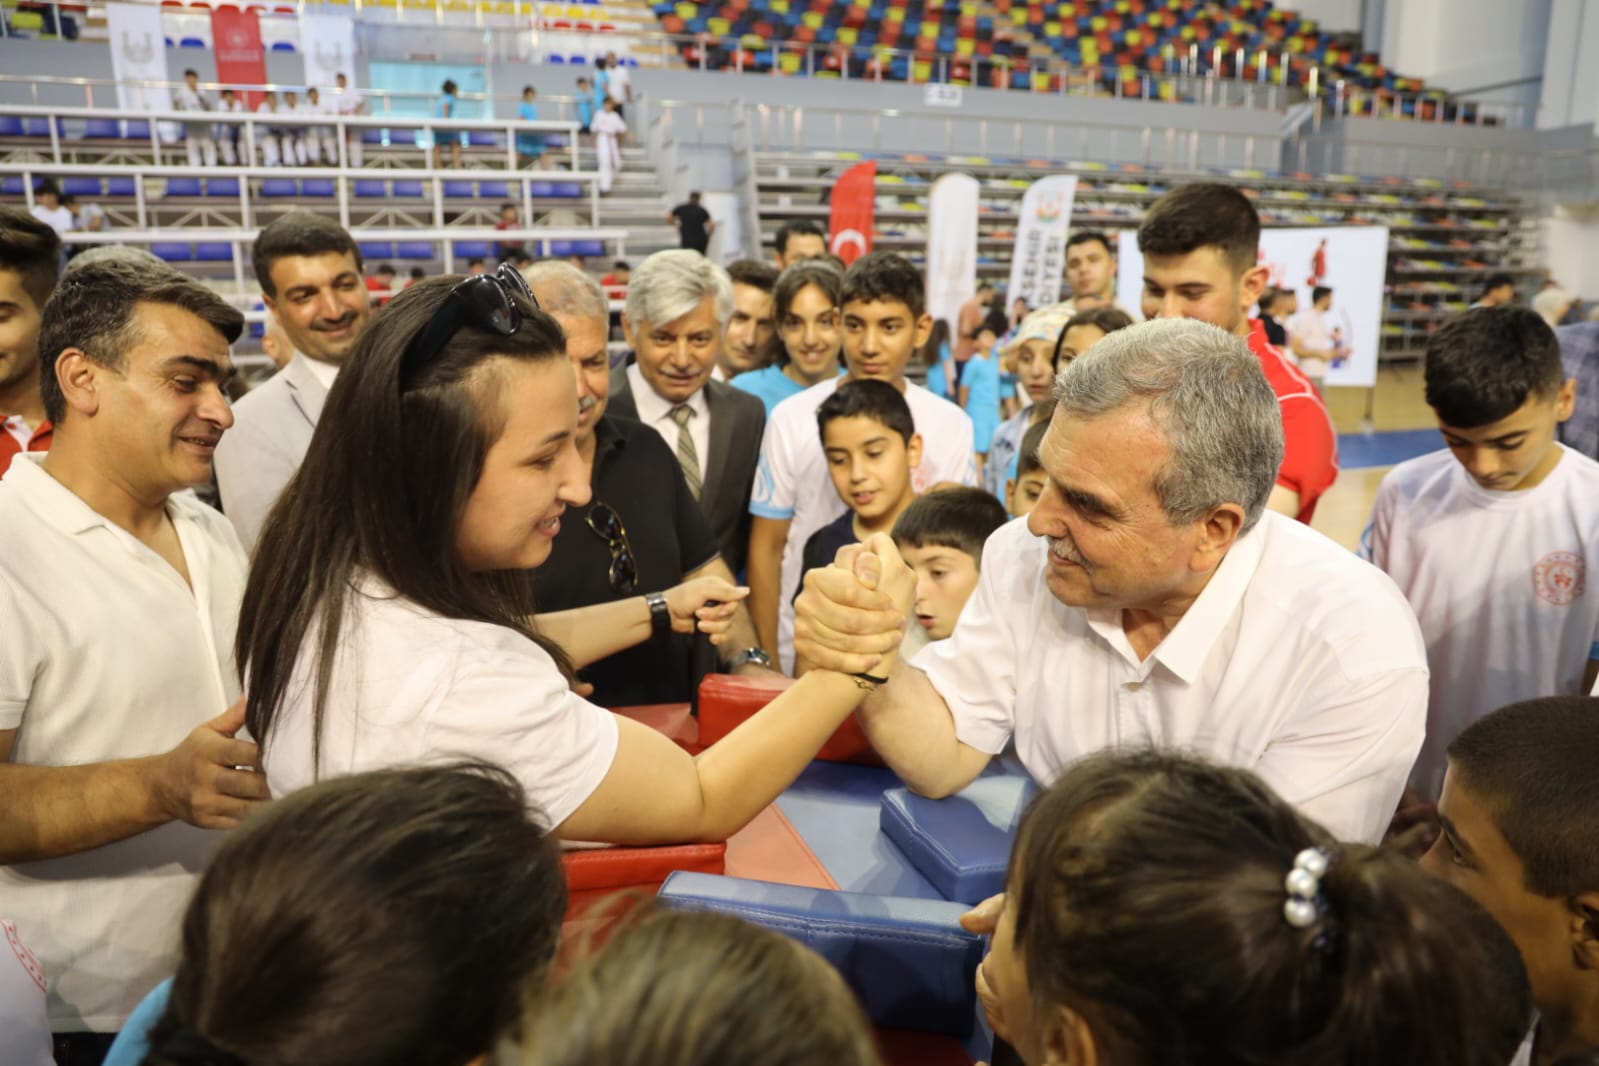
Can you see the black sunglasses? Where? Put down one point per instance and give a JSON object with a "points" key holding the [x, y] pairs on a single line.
{"points": [[487, 301], [607, 524]]}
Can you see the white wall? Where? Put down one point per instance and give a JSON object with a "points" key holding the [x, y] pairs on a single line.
{"points": [[1571, 249], [1465, 45], [1571, 79], [1335, 16]]}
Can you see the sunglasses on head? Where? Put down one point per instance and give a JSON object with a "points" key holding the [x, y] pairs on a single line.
{"points": [[607, 524], [487, 301]]}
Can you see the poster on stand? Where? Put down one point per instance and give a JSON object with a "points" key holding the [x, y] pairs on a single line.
{"points": [[952, 206], [241, 60], [138, 54], [1038, 262]]}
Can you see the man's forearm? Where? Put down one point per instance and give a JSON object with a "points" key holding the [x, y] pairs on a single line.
{"points": [[911, 727], [50, 811]]}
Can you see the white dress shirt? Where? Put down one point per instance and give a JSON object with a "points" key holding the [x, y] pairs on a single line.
{"points": [[108, 654], [1298, 661], [656, 412]]}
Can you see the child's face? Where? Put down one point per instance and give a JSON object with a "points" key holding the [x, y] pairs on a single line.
{"points": [[985, 340], [1002, 984], [809, 332], [880, 336], [945, 578], [1036, 368], [1022, 493], [1518, 451], [1472, 855], [870, 465]]}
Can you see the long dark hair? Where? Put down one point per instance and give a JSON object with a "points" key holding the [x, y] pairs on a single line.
{"points": [[1149, 894], [933, 351], [377, 918], [392, 462]]}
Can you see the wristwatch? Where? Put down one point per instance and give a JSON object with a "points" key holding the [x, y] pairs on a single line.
{"points": [[757, 656], [660, 613]]}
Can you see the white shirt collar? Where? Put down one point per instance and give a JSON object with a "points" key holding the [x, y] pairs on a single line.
{"points": [[653, 408], [326, 373]]}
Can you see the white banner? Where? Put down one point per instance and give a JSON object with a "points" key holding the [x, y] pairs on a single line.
{"points": [[327, 46], [1038, 262], [138, 54], [1352, 261], [951, 244]]}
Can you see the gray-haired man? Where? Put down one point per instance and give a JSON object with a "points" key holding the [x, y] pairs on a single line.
{"points": [[1152, 599], [678, 305]]}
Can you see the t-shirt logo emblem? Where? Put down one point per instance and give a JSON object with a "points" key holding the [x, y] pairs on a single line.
{"points": [[1560, 577]]}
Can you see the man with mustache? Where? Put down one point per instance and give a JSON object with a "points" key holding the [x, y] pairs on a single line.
{"points": [[116, 752], [1151, 598], [311, 278]]}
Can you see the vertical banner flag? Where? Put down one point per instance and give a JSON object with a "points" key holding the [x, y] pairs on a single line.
{"points": [[241, 60], [1038, 263], [327, 43], [138, 54], [951, 244], [1350, 260], [854, 211]]}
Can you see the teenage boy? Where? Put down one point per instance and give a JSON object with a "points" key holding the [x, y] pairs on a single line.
{"points": [[885, 323], [941, 535], [1520, 820], [1023, 490], [805, 306], [1201, 260], [30, 260], [1488, 538], [871, 444]]}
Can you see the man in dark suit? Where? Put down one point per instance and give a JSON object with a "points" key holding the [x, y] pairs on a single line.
{"points": [[678, 306]]}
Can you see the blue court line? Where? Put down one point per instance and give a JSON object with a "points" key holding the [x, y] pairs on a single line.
{"points": [[1385, 449]]}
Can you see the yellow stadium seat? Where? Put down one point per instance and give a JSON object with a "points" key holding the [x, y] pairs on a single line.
{"points": [[896, 14], [1134, 37], [790, 62], [752, 42], [848, 34], [1051, 29], [1018, 15], [718, 26], [813, 19], [965, 47], [780, 7], [686, 11], [1040, 81], [1098, 23], [923, 70]]}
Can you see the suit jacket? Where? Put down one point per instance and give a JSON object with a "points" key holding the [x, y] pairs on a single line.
{"points": [[737, 421], [272, 428]]}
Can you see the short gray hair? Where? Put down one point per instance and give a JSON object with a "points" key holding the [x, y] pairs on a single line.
{"points": [[1206, 392], [562, 289], [669, 285]]}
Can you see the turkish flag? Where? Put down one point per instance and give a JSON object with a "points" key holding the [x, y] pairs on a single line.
{"points": [[854, 200], [236, 37]]}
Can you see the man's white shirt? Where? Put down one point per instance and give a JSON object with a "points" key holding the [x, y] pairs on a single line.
{"points": [[1498, 581], [656, 412], [792, 481], [1298, 661]]}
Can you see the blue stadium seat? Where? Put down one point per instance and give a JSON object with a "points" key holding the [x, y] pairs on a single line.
{"points": [[82, 186], [317, 187], [555, 141], [282, 46], [11, 186], [121, 186], [568, 189], [371, 187], [10, 126], [413, 250], [408, 188], [577, 61], [101, 127], [542, 188], [482, 139], [377, 249], [172, 251], [558, 61], [493, 190], [222, 187], [136, 129], [40, 127], [213, 252], [183, 187], [588, 246], [191, 42], [561, 248], [371, 135], [280, 187], [457, 190], [472, 249]]}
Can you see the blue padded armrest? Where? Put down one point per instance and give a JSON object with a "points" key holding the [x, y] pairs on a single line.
{"points": [[960, 844], [908, 960]]}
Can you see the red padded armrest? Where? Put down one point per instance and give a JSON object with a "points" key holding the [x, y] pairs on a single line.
{"points": [[604, 868], [726, 700]]}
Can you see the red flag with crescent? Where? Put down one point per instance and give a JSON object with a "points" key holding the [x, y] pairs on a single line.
{"points": [[854, 200]]}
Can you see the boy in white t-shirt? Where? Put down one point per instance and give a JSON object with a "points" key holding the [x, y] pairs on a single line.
{"points": [[885, 323], [1489, 538]]}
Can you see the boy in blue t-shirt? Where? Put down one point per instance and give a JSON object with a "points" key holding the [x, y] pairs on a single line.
{"points": [[529, 146]]}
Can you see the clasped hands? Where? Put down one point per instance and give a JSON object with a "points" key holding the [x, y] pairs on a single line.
{"points": [[851, 616]]}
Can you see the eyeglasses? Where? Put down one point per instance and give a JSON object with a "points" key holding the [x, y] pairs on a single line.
{"points": [[487, 301], [607, 524]]}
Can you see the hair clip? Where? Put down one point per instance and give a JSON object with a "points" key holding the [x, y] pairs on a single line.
{"points": [[1304, 904]]}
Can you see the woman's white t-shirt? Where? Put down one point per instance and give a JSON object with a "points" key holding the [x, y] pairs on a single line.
{"points": [[409, 686]]}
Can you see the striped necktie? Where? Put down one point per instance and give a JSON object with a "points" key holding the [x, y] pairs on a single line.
{"points": [[688, 456]]}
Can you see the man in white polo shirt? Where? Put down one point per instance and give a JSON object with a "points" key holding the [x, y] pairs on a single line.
{"points": [[885, 322], [1151, 599], [122, 593]]}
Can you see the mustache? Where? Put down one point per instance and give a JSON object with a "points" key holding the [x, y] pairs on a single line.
{"points": [[1066, 550], [325, 325], [587, 403]]}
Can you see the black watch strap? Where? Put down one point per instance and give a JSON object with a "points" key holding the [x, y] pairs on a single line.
{"points": [[660, 613]]}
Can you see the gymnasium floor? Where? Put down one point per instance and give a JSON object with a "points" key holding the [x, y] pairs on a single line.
{"points": [[1404, 429]]}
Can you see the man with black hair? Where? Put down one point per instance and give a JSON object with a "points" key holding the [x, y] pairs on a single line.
{"points": [[49, 208], [750, 337], [1497, 291], [1489, 537], [201, 146], [1091, 270], [30, 259], [694, 224], [799, 239], [1201, 247], [116, 753], [311, 278], [1315, 341]]}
